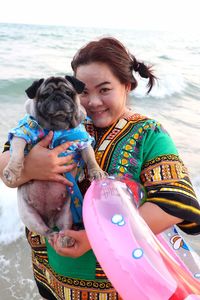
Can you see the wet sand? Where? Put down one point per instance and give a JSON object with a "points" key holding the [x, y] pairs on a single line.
{"points": [[16, 279]]}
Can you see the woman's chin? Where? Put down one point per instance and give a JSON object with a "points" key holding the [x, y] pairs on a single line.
{"points": [[102, 123], [103, 119]]}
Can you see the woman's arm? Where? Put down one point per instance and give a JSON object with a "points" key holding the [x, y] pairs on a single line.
{"points": [[156, 218], [42, 163]]}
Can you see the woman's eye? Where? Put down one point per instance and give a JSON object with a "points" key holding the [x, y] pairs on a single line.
{"points": [[104, 90], [84, 93]]}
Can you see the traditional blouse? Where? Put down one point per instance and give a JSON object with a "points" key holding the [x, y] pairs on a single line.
{"points": [[141, 149]]}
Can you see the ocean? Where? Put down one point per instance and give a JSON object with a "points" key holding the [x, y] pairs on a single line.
{"points": [[30, 52]]}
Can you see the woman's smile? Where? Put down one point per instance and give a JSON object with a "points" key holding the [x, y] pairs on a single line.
{"points": [[98, 112]]}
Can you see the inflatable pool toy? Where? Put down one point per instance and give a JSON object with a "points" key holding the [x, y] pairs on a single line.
{"points": [[139, 264]]}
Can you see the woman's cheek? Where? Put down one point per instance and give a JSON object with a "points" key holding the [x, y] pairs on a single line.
{"points": [[83, 101]]}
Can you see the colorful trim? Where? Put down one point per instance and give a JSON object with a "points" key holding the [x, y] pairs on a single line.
{"points": [[63, 287], [167, 184]]}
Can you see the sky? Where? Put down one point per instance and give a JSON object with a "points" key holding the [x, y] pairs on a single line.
{"points": [[171, 15]]}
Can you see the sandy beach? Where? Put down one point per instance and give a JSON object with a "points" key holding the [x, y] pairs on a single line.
{"points": [[16, 279]]}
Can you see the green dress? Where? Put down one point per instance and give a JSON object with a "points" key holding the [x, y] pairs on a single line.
{"points": [[141, 149]]}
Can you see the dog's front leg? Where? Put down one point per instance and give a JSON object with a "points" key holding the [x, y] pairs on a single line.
{"points": [[94, 171], [12, 171]]}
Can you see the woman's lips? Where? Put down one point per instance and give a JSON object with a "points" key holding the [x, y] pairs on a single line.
{"points": [[98, 113]]}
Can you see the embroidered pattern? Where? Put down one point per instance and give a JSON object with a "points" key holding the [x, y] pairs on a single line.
{"points": [[64, 287], [164, 168], [168, 185], [118, 149]]}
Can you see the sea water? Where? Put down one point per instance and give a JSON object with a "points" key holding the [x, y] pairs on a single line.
{"points": [[31, 52]]}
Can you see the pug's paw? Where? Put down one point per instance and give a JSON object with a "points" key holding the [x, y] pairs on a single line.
{"points": [[96, 174], [66, 241], [12, 173]]}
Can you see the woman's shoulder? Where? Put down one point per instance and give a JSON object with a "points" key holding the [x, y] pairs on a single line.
{"points": [[147, 127], [144, 120]]}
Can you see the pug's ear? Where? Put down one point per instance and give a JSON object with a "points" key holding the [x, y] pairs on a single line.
{"points": [[77, 84], [32, 90]]}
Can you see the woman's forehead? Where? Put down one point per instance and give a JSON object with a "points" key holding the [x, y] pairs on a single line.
{"points": [[95, 74]]}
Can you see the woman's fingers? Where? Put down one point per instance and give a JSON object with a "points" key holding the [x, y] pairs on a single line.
{"points": [[66, 169], [43, 163], [62, 148], [53, 153], [80, 246], [46, 140], [66, 160], [57, 150], [62, 179]]}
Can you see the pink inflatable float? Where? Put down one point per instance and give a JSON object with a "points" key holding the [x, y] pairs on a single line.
{"points": [[139, 264]]}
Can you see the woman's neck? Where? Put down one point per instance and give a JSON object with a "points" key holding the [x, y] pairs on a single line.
{"points": [[128, 112]]}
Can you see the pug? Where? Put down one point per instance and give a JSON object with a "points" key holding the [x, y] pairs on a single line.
{"points": [[54, 105]]}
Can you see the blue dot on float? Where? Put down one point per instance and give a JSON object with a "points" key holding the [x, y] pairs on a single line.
{"points": [[122, 223], [104, 183], [197, 275], [137, 253], [111, 177], [118, 219]]}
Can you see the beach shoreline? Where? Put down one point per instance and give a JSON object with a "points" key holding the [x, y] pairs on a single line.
{"points": [[16, 277]]}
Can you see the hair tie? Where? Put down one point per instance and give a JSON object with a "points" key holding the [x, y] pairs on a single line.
{"points": [[142, 70]]}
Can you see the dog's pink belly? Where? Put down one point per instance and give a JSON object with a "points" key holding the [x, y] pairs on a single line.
{"points": [[46, 197]]}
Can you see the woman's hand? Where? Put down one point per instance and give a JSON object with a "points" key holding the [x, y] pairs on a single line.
{"points": [[80, 247], [43, 163]]}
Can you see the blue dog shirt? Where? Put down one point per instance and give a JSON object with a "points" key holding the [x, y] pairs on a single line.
{"points": [[29, 130]]}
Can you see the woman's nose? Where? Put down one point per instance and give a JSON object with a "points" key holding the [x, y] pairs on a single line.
{"points": [[94, 100]]}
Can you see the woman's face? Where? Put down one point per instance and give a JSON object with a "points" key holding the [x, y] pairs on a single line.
{"points": [[104, 97]]}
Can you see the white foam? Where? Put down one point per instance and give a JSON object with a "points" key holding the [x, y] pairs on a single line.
{"points": [[11, 227], [196, 185], [167, 85], [4, 263]]}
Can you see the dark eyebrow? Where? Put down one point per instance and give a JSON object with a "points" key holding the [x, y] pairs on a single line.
{"points": [[102, 83]]}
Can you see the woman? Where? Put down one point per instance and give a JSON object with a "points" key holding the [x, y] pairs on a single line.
{"points": [[126, 144]]}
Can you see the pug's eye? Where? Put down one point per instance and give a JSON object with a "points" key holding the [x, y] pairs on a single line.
{"points": [[45, 95], [70, 94]]}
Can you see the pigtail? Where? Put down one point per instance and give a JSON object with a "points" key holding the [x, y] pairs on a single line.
{"points": [[144, 71]]}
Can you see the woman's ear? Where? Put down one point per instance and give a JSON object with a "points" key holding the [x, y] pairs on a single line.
{"points": [[128, 87]]}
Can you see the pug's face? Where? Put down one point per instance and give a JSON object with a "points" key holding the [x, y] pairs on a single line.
{"points": [[56, 102]]}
